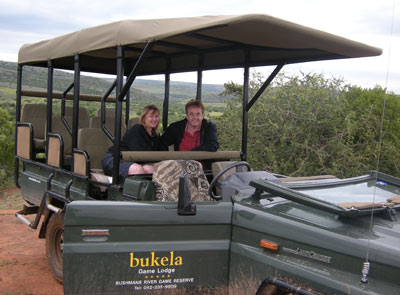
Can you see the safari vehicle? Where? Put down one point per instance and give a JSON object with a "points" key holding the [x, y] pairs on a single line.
{"points": [[258, 231]]}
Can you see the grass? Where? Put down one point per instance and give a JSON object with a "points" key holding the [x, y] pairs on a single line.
{"points": [[11, 199], [7, 90]]}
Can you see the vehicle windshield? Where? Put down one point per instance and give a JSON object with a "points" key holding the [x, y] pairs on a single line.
{"points": [[366, 191], [345, 197]]}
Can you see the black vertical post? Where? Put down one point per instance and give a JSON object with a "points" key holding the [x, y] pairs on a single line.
{"points": [[245, 113], [127, 106], [199, 84], [17, 119], [199, 79], [49, 114], [19, 94], [75, 108], [50, 70], [118, 113], [166, 101]]}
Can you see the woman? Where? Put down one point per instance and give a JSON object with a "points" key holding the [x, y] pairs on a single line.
{"points": [[140, 137]]}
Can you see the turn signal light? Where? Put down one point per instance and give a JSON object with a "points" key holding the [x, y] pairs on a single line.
{"points": [[269, 245]]}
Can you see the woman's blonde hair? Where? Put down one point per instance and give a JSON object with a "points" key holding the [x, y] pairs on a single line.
{"points": [[146, 110]]}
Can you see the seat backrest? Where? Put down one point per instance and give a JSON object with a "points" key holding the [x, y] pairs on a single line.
{"points": [[59, 127], [81, 163], [95, 122], [24, 140], [132, 122], [36, 115], [84, 118], [55, 153], [95, 143], [166, 179], [110, 113]]}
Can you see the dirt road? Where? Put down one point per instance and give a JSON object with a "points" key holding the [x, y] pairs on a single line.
{"points": [[23, 263]]}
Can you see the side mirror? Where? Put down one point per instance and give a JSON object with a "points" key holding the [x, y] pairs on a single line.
{"points": [[185, 205]]}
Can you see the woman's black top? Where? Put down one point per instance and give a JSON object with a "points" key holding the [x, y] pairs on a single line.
{"points": [[137, 139]]}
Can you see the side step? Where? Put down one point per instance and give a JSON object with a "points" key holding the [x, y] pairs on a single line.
{"points": [[27, 210], [23, 220], [36, 210]]}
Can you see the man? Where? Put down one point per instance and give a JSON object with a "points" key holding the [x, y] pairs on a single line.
{"points": [[194, 133]]}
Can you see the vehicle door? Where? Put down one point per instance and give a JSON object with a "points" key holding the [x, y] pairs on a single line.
{"points": [[118, 247]]}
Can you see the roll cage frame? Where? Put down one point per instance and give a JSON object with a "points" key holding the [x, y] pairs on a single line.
{"points": [[122, 95], [251, 54]]}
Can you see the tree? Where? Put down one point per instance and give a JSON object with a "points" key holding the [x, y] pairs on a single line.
{"points": [[309, 125], [6, 147]]}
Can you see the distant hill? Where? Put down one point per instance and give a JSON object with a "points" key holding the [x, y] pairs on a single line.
{"points": [[36, 78], [180, 90]]}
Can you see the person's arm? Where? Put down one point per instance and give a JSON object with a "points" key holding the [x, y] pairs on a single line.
{"points": [[209, 140], [173, 135]]}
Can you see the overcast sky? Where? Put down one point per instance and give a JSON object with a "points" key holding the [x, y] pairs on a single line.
{"points": [[366, 21]]}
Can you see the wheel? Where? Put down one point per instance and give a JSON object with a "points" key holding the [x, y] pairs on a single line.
{"points": [[215, 182], [54, 245]]}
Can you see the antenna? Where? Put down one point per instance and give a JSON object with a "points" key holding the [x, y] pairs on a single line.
{"points": [[366, 264]]}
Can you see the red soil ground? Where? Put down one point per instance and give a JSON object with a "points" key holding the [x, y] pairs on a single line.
{"points": [[23, 263]]}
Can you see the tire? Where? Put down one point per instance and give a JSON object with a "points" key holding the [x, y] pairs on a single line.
{"points": [[54, 245]]}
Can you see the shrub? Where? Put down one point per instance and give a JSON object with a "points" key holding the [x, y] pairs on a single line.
{"points": [[6, 147], [309, 125]]}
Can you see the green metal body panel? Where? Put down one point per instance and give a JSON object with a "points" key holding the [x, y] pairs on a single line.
{"points": [[33, 181], [36, 180], [130, 244], [137, 188], [144, 246], [316, 250], [79, 189]]}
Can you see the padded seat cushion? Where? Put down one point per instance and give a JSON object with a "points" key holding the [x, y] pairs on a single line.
{"points": [[39, 143]]}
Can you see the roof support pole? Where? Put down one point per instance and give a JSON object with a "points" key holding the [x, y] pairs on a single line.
{"points": [[19, 94], [245, 113], [103, 111], [75, 116], [135, 70], [199, 84], [121, 91], [127, 107], [265, 85], [118, 114], [17, 119], [166, 101], [50, 70], [199, 78], [49, 115]]}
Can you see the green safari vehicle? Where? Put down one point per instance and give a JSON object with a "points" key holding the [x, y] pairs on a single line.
{"points": [[256, 233]]}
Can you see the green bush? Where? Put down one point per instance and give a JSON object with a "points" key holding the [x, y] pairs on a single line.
{"points": [[6, 148], [309, 125]]}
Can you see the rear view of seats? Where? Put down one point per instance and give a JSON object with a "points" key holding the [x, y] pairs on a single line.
{"points": [[132, 122], [58, 127], [95, 143], [95, 122], [36, 115]]}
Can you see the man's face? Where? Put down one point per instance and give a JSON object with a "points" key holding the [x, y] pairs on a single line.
{"points": [[194, 116]]}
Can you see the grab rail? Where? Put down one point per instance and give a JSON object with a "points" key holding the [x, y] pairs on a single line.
{"points": [[176, 155]]}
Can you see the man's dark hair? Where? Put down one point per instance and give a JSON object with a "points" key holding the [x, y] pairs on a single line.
{"points": [[194, 103]]}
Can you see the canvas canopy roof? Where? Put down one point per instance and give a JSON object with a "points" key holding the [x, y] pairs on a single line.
{"points": [[195, 43]]}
